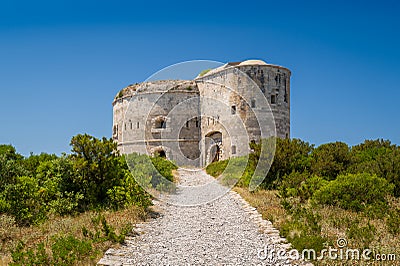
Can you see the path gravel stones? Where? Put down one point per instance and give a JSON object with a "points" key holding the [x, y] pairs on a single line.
{"points": [[225, 231]]}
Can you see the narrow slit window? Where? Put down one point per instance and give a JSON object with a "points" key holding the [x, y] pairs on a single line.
{"points": [[286, 96], [273, 99], [233, 109], [187, 124], [137, 125], [233, 149], [253, 103]]}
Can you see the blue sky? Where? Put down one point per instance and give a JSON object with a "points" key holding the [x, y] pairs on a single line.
{"points": [[62, 62]]}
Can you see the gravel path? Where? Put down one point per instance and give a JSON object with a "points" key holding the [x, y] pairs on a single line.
{"points": [[226, 231]]}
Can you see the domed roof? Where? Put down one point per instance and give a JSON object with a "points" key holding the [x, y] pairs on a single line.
{"points": [[252, 62]]}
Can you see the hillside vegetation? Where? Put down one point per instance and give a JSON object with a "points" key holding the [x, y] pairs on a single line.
{"points": [[61, 210], [316, 195]]}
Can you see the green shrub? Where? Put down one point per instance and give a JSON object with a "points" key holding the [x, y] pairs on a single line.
{"points": [[65, 250], [300, 185], [152, 172], [32, 163], [303, 229], [105, 232], [164, 167], [290, 155], [362, 235], [379, 157], [11, 165], [357, 192], [65, 203], [24, 201], [393, 221], [31, 256], [235, 171], [98, 166], [330, 159], [128, 193]]}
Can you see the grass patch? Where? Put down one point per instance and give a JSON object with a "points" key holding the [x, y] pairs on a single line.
{"points": [[203, 72], [64, 234], [217, 168]]}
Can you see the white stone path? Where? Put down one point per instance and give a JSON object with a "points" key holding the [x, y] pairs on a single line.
{"points": [[226, 231]]}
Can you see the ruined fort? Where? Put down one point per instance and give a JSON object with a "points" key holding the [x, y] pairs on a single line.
{"points": [[212, 117]]}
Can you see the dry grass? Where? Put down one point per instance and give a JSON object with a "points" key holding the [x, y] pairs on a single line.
{"points": [[10, 234], [334, 224], [266, 202]]}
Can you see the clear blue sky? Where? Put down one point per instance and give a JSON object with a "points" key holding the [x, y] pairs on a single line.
{"points": [[62, 62]]}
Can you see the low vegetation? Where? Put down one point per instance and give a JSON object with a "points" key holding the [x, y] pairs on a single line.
{"points": [[315, 196], [61, 210], [203, 72]]}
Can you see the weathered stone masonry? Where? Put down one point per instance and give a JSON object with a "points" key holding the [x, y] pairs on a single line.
{"points": [[149, 117]]}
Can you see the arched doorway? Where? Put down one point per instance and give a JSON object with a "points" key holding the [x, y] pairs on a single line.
{"points": [[213, 146], [160, 122]]}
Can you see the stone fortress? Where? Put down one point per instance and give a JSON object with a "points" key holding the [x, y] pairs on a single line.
{"points": [[212, 117]]}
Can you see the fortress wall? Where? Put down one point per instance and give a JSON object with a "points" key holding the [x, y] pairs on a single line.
{"points": [[190, 131], [274, 82], [216, 108], [136, 132]]}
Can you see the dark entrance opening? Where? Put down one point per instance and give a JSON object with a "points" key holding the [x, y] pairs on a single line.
{"points": [[215, 151], [162, 154], [213, 144]]}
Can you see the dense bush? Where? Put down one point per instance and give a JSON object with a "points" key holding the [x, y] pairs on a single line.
{"points": [[128, 192], [378, 157], [98, 167], [10, 165], [356, 192], [290, 155], [24, 200], [301, 185], [327, 161], [93, 176], [164, 167], [331, 159], [153, 173]]}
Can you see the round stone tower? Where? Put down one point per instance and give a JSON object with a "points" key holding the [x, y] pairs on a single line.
{"points": [[174, 119]]}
